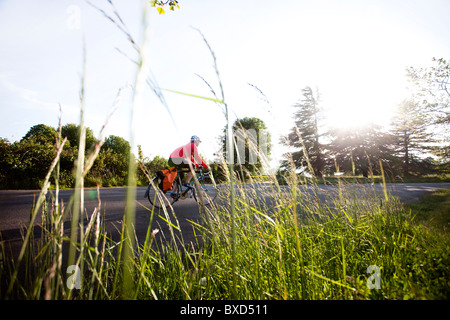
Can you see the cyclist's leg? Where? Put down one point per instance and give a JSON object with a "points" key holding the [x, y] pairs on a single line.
{"points": [[189, 177], [181, 163]]}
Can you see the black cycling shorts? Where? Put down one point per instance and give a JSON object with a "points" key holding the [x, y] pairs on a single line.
{"points": [[179, 163]]}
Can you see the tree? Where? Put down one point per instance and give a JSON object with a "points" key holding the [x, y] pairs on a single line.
{"points": [[6, 162], [41, 133], [411, 138], [69, 153], [25, 163], [117, 145], [433, 95], [157, 163], [433, 89], [305, 136], [252, 144], [151, 166], [112, 162], [72, 132], [358, 150]]}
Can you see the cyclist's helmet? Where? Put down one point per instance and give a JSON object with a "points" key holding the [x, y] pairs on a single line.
{"points": [[195, 139]]}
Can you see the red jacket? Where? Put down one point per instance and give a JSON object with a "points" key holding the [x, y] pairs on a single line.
{"points": [[189, 151]]}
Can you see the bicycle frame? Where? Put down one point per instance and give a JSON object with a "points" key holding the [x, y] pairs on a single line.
{"points": [[199, 177]]}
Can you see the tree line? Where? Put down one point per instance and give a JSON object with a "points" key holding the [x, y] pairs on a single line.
{"points": [[24, 163], [415, 143]]}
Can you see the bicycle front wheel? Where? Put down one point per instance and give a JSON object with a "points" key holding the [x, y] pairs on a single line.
{"points": [[159, 198], [205, 193]]}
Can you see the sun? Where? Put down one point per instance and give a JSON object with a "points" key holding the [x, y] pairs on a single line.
{"points": [[346, 117], [372, 101]]}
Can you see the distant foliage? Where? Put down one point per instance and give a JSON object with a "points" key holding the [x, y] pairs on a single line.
{"points": [[404, 148], [357, 151], [149, 166], [24, 163], [432, 95]]}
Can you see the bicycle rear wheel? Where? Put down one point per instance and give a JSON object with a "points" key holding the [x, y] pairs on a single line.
{"points": [[159, 198]]}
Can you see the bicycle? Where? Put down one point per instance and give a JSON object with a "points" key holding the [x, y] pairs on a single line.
{"points": [[201, 193]]}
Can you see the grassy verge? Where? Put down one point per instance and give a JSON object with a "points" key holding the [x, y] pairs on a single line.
{"points": [[374, 179], [433, 211]]}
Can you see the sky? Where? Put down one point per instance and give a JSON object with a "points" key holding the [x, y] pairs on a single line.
{"points": [[353, 52]]}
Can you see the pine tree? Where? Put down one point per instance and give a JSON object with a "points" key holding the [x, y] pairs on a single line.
{"points": [[411, 138], [358, 150], [305, 136]]}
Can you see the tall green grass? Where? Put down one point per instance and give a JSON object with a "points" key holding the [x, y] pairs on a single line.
{"points": [[322, 253], [261, 240]]}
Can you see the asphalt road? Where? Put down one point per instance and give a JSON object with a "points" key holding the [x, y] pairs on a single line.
{"points": [[15, 208]]}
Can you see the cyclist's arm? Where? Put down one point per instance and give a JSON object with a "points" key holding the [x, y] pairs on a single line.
{"points": [[196, 156]]}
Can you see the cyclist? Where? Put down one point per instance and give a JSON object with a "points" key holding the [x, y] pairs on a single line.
{"points": [[182, 156]]}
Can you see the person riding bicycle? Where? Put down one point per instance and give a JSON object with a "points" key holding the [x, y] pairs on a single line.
{"points": [[182, 156]]}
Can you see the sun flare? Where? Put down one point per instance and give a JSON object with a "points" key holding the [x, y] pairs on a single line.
{"points": [[367, 101]]}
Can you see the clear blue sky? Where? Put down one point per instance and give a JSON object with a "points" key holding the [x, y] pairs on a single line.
{"points": [[354, 52]]}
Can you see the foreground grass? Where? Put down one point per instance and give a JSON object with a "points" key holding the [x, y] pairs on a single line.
{"points": [[290, 246]]}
